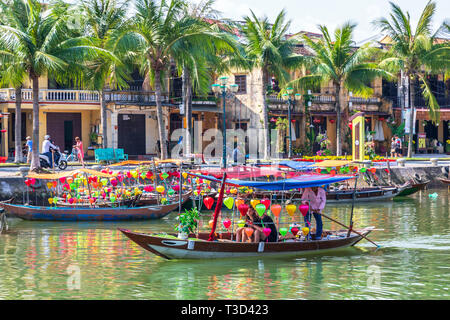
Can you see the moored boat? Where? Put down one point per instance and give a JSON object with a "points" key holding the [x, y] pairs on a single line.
{"points": [[121, 213]]}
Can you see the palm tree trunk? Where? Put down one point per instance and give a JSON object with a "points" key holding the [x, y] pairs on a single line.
{"points": [[35, 164], [338, 119], [103, 120], [159, 113], [187, 102], [18, 126], [265, 114], [412, 92]]}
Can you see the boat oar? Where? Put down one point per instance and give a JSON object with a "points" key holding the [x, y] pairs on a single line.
{"points": [[352, 230]]}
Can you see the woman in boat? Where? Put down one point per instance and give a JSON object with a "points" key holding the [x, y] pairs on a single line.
{"points": [[250, 217], [265, 222], [317, 199]]}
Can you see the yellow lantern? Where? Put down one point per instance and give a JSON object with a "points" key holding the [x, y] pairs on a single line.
{"points": [[305, 231], [290, 208], [233, 191], [160, 189], [185, 175], [254, 202], [50, 200]]}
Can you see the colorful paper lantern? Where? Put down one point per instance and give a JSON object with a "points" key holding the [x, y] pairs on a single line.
{"points": [[260, 209], [228, 202], [208, 201], [276, 209], [304, 207], [266, 203], [254, 202], [226, 223], [291, 208], [243, 209], [283, 231], [249, 232]]}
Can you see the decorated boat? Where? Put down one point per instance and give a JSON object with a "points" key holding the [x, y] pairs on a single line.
{"points": [[198, 247], [202, 245], [119, 213]]}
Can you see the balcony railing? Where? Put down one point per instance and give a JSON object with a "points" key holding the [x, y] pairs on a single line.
{"points": [[53, 95]]}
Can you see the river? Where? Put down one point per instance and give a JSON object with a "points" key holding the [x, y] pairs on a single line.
{"points": [[58, 260]]}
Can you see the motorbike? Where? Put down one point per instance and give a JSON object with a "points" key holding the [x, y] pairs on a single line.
{"points": [[59, 159]]}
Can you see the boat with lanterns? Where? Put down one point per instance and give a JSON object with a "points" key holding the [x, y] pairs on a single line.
{"points": [[192, 244], [90, 195]]}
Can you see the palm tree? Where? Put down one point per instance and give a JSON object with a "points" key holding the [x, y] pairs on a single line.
{"points": [[164, 35], [13, 74], [45, 44], [338, 61], [105, 20], [417, 53], [268, 50]]}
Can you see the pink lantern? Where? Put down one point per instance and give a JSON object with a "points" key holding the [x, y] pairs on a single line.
{"points": [[176, 187], [267, 231], [304, 208], [266, 203], [226, 223], [113, 182]]}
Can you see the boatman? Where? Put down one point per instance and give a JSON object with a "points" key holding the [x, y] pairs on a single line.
{"points": [[317, 199]]}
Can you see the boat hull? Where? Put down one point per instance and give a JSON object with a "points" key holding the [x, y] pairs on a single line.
{"points": [[88, 214], [172, 248]]}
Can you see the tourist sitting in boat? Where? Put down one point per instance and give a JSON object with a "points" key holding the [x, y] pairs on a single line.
{"points": [[260, 224], [317, 199], [241, 236]]}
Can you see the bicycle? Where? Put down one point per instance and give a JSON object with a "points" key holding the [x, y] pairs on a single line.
{"points": [[71, 157]]}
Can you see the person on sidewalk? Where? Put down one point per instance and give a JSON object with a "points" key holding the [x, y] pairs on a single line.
{"points": [[80, 152], [317, 198], [29, 144], [398, 146]]}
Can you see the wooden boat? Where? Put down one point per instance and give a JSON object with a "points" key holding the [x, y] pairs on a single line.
{"points": [[413, 188], [153, 199], [342, 196], [121, 213], [445, 181], [170, 247]]}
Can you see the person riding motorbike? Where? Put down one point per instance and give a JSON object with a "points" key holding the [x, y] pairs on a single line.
{"points": [[47, 147]]}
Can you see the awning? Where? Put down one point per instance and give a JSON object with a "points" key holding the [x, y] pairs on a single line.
{"points": [[332, 163], [296, 165], [302, 181], [54, 176]]}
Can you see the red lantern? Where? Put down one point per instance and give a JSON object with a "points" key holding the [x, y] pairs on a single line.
{"points": [[350, 125], [208, 201], [332, 121], [293, 120]]}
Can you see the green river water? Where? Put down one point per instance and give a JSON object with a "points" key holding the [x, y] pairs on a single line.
{"points": [[58, 260]]}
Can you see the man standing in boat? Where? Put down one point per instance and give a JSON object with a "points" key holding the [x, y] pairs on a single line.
{"points": [[317, 199]]}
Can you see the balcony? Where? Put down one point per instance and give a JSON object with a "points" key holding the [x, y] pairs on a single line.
{"points": [[53, 95]]}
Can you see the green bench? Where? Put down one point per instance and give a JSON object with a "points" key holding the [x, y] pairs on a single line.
{"points": [[110, 155]]}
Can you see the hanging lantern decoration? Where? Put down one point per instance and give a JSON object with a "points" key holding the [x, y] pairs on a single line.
{"points": [[266, 203], [160, 189], [226, 223], [304, 208], [294, 231], [332, 120], [305, 231], [283, 231], [267, 231], [241, 223], [249, 232], [238, 202], [260, 209], [243, 209], [276, 209], [373, 170], [291, 208], [211, 223], [208, 201], [254, 202], [228, 202]]}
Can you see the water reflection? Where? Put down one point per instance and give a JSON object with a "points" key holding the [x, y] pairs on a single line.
{"points": [[412, 263]]}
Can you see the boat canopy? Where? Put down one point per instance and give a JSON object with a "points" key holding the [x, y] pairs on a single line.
{"points": [[297, 165], [298, 182], [332, 163], [142, 162], [241, 172], [54, 176]]}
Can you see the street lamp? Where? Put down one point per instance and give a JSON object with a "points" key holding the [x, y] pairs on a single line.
{"points": [[223, 88], [288, 97]]}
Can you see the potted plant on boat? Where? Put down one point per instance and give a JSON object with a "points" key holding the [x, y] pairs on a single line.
{"points": [[188, 222]]}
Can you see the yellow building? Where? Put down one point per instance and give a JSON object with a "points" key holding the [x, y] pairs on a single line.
{"points": [[63, 114]]}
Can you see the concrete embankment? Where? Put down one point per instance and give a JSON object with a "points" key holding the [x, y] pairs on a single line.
{"points": [[14, 187]]}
